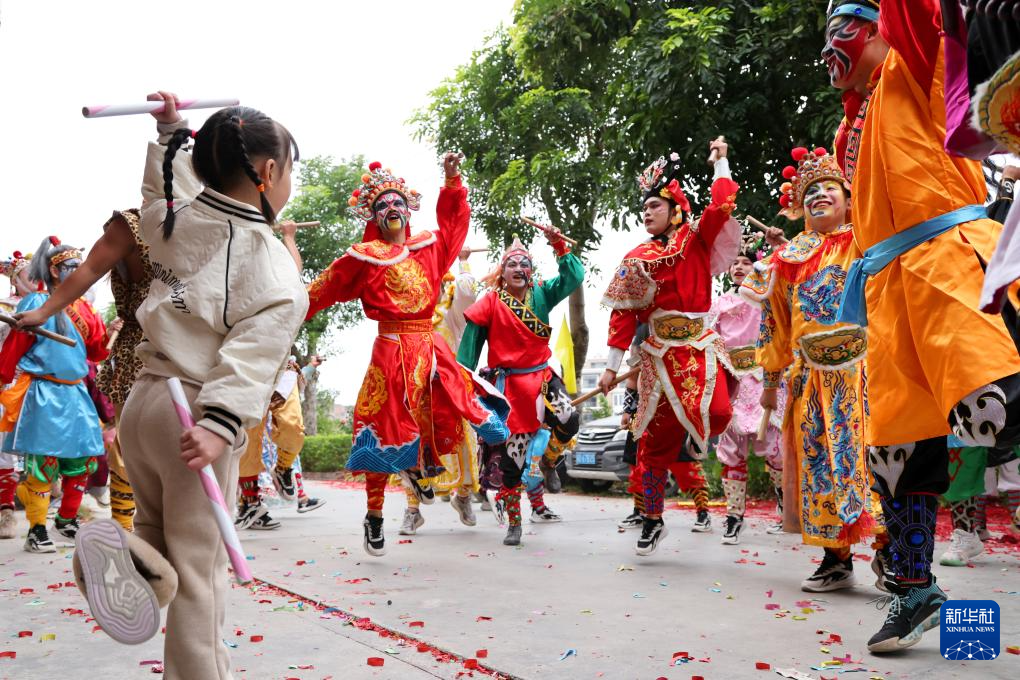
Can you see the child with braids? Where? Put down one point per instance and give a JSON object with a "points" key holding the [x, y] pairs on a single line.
{"points": [[223, 308]]}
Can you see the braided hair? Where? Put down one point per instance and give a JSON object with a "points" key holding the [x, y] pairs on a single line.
{"points": [[224, 147]]}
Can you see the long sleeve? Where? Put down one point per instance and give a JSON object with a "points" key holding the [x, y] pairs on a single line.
{"points": [[724, 192], [464, 291], [453, 215], [622, 326], [471, 343], [773, 348], [95, 343], [571, 275], [340, 282], [912, 28]]}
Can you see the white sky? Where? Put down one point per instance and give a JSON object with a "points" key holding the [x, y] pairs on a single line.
{"points": [[343, 78]]}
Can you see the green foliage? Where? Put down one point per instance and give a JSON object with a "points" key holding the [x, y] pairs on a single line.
{"points": [[602, 408], [325, 453], [759, 485], [323, 188], [327, 424]]}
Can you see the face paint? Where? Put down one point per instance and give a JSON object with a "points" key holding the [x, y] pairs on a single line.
{"points": [[65, 269], [845, 38], [517, 271], [655, 215], [391, 212]]}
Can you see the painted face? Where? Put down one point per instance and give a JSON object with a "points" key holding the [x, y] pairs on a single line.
{"points": [[656, 214], [740, 268], [65, 269], [517, 271], [391, 212], [845, 39], [825, 201]]}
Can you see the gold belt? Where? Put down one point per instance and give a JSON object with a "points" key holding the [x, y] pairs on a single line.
{"points": [[407, 326], [743, 358], [836, 348], [678, 327]]}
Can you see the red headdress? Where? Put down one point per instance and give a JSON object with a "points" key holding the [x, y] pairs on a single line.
{"points": [[661, 178], [812, 166], [377, 181]]}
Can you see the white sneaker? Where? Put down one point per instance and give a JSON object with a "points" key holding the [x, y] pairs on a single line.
{"points": [[8, 524], [962, 546], [462, 504], [412, 520], [498, 507]]}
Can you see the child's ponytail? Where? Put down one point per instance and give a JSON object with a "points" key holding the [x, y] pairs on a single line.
{"points": [[177, 139], [236, 126]]}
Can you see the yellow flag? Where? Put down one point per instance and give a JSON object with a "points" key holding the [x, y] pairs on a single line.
{"points": [[565, 354]]}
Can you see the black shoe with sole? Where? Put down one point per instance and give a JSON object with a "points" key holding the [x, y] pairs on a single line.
{"points": [[652, 533], [632, 521], [423, 492], [912, 612], [38, 540], [283, 480], [375, 542], [832, 574], [513, 535], [703, 524], [731, 536], [68, 528]]}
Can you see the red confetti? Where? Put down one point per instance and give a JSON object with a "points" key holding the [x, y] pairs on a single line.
{"points": [[772, 605], [26, 591], [406, 540], [300, 563], [483, 618], [417, 624], [96, 629], [376, 661], [422, 647], [24, 633], [8, 655], [762, 666], [482, 653], [471, 664], [256, 638], [356, 581], [1013, 649]]}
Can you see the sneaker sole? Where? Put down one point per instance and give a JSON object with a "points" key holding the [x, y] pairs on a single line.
{"points": [[950, 562], [701, 530], [372, 551], [908, 640], [465, 519], [36, 550], [645, 552], [265, 527], [121, 601], [541, 520], [308, 508], [730, 540], [837, 585]]}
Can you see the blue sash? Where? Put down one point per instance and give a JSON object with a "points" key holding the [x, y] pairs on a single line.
{"points": [[502, 373], [853, 308]]}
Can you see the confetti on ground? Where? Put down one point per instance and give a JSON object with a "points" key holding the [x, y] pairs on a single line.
{"points": [[568, 653], [1013, 649], [8, 655], [376, 661], [762, 666]]}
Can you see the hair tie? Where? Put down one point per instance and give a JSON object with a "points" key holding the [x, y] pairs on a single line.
{"points": [[261, 187], [194, 134], [54, 241], [240, 122], [170, 203]]}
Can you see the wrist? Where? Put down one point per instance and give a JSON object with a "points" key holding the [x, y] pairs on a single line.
{"points": [[560, 247]]}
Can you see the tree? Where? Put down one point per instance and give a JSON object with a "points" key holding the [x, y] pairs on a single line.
{"points": [[323, 189], [602, 408]]}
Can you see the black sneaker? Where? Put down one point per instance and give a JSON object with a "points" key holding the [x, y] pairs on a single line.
{"points": [[881, 564], [248, 514], [283, 480], [652, 533], [38, 540], [265, 522], [912, 612], [703, 524], [544, 514], [831, 574], [513, 535], [422, 491], [734, 524], [68, 528], [375, 543], [307, 504], [632, 521]]}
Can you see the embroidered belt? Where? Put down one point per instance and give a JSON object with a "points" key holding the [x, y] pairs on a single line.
{"points": [[678, 327], [37, 376], [835, 349], [742, 358], [403, 327]]}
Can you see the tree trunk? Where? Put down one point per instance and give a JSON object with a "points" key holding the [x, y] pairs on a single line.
{"points": [[310, 405], [578, 330]]}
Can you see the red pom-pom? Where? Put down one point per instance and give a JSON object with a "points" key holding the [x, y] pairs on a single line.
{"points": [[798, 153], [18, 255], [784, 201], [820, 151], [356, 193], [54, 241], [374, 165], [789, 171]]}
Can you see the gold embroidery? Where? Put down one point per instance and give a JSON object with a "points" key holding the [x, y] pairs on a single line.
{"points": [[678, 327], [408, 287], [373, 392], [378, 249], [835, 349], [743, 358]]}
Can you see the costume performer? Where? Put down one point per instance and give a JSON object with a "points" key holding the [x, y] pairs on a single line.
{"points": [[667, 283], [923, 232], [461, 468], [799, 289], [513, 318], [737, 322], [48, 415], [16, 268], [415, 397]]}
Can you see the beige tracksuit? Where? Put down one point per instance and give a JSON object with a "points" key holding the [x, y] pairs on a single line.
{"points": [[222, 312]]}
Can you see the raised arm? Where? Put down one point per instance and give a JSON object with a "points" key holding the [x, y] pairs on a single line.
{"points": [[913, 29], [340, 282], [453, 214], [185, 183]]}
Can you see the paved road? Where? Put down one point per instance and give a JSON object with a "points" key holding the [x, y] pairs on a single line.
{"points": [[573, 586]]}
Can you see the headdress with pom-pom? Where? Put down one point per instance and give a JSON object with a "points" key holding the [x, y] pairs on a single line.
{"points": [[662, 178], [375, 182], [15, 265], [812, 166], [516, 247]]}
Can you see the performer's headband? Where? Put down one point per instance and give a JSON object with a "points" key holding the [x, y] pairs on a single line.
{"points": [[852, 9]]}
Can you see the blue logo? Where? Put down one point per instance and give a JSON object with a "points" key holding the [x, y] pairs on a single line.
{"points": [[970, 630]]}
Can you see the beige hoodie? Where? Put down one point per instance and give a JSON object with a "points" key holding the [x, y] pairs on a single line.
{"points": [[226, 300]]}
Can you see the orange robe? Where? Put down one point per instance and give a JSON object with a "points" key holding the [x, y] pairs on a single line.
{"points": [[929, 345]]}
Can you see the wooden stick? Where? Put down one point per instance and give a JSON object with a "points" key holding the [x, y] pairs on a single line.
{"points": [[597, 391], [760, 225], [479, 250], [714, 156], [41, 332], [763, 427], [299, 225], [113, 338], [547, 230]]}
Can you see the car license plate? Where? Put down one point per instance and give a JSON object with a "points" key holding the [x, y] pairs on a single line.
{"points": [[584, 458]]}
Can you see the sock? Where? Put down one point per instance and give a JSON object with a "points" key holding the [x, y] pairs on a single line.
{"points": [[654, 483], [639, 503], [963, 513], [700, 496], [249, 490], [910, 520], [412, 501], [512, 500], [981, 512], [536, 496], [122, 501], [285, 459], [73, 489], [736, 496], [8, 482], [776, 477], [35, 496], [375, 489], [299, 485]]}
